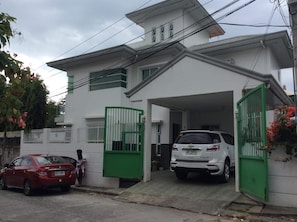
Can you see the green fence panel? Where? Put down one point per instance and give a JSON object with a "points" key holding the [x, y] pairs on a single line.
{"points": [[251, 122], [123, 143]]}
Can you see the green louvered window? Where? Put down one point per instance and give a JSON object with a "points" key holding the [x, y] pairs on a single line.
{"points": [[108, 79], [70, 84]]}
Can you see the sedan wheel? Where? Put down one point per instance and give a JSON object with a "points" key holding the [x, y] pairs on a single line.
{"points": [[27, 188], [226, 172], [2, 184]]}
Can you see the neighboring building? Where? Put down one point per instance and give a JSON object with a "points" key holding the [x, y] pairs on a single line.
{"points": [[175, 75]]}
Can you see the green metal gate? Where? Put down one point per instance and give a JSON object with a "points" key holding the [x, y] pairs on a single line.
{"points": [[123, 143], [251, 121]]}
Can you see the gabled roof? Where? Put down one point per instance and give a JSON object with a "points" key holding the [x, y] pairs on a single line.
{"points": [[279, 42], [124, 52], [193, 7], [268, 79]]}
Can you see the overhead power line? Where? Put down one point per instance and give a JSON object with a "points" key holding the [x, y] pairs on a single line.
{"points": [[91, 37], [82, 83]]}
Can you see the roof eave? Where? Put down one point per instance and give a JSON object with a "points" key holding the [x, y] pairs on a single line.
{"points": [[284, 57], [65, 64]]}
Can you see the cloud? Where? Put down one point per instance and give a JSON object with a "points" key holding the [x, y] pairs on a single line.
{"points": [[55, 29]]}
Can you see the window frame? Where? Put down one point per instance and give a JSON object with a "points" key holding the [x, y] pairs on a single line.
{"points": [[70, 88]]}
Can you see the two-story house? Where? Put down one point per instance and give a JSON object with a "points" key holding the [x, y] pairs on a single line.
{"points": [[176, 78]]}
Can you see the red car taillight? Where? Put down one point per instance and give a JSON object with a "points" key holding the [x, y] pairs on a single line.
{"points": [[41, 173], [213, 148]]}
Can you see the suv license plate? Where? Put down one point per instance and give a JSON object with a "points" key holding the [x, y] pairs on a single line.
{"points": [[191, 152]]}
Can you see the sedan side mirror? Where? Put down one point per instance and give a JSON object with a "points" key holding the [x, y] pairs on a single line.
{"points": [[6, 165]]}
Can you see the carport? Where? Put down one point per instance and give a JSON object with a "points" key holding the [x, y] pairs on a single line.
{"points": [[205, 95]]}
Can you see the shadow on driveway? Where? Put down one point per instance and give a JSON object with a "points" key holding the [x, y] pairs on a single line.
{"points": [[201, 194]]}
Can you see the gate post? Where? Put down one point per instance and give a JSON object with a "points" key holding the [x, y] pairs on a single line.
{"points": [[147, 142]]}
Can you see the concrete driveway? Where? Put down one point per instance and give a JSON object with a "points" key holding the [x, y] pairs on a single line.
{"points": [[197, 194]]}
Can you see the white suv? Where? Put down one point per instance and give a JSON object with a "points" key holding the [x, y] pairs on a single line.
{"points": [[203, 151]]}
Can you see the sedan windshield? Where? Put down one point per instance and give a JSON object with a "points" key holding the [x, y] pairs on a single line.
{"points": [[50, 160]]}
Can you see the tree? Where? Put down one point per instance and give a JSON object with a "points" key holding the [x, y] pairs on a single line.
{"points": [[34, 100], [12, 73], [23, 95]]}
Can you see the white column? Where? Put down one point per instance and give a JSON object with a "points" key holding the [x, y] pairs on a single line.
{"points": [[147, 143], [236, 98], [185, 120]]}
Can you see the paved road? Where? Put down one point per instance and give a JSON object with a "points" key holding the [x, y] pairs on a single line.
{"points": [[87, 207]]}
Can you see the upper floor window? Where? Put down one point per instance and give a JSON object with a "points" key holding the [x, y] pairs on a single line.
{"points": [[154, 34], [108, 79], [70, 84], [170, 30], [148, 72], [162, 33]]}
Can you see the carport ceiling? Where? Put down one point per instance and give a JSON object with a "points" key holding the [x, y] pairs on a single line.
{"points": [[203, 102]]}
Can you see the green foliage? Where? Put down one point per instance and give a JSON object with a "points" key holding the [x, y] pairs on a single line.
{"points": [[5, 29], [51, 113], [23, 95]]}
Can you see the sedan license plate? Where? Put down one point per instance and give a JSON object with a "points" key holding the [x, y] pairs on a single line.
{"points": [[59, 173], [191, 152]]}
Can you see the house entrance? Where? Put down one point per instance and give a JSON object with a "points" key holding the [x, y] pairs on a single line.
{"points": [[123, 143], [251, 122]]}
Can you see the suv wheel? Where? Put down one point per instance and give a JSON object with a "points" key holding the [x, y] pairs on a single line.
{"points": [[182, 175], [226, 172]]}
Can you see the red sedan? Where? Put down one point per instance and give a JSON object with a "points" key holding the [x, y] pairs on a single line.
{"points": [[38, 171]]}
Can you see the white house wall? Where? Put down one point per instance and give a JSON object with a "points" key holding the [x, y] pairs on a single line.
{"points": [[199, 119], [134, 71], [180, 20], [93, 152], [250, 59], [192, 77]]}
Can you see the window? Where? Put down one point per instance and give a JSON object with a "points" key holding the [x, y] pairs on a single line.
{"points": [[198, 138], [70, 84], [162, 30], [108, 79], [154, 34], [229, 139], [148, 72], [95, 130], [170, 30], [26, 161], [16, 162]]}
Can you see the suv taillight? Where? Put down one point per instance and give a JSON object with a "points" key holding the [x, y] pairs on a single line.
{"points": [[213, 148], [174, 148]]}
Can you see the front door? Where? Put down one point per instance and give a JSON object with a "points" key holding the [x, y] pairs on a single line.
{"points": [[251, 122]]}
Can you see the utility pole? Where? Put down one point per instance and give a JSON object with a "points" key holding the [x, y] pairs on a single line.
{"points": [[292, 4]]}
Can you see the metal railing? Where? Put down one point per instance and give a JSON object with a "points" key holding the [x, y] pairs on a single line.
{"points": [[59, 135], [90, 134], [35, 136]]}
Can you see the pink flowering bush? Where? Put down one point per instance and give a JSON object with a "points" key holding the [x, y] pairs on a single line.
{"points": [[282, 131]]}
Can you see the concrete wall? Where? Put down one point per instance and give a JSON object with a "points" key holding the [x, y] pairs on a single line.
{"points": [[92, 151], [11, 148]]}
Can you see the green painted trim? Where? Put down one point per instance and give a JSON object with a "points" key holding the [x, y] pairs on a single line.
{"points": [[123, 143], [251, 128]]}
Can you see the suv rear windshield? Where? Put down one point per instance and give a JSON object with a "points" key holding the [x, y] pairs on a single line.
{"points": [[198, 138]]}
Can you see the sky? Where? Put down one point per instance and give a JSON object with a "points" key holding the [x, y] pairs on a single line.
{"points": [[56, 29]]}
